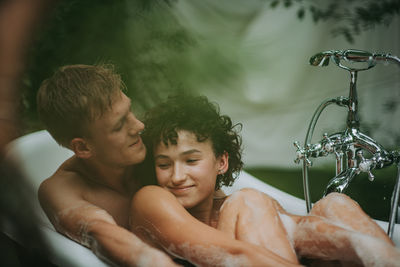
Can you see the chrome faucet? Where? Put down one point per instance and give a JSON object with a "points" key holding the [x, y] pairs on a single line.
{"points": [[341, 181], [348, 146]]}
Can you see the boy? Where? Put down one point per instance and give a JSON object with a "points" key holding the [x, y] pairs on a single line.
{"points": [[196, 151]]}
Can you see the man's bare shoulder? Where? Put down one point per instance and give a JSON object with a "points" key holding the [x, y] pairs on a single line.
{"points": [[67, 182], [62, 190], [71, 188], [62, 197]]}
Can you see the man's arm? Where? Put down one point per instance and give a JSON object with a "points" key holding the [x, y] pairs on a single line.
{"points": [[93, 227], [158, 216]]}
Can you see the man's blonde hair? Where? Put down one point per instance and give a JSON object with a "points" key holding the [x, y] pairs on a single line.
{"points": [[74, 97]]}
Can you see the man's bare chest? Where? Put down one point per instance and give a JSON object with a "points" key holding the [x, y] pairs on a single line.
{"points": [[116, 204]]}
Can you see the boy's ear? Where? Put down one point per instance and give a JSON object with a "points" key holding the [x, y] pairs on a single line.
{"points": [[223, 163], [81, 148]]}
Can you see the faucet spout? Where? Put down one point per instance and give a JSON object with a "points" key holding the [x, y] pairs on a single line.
{"points": [[341, 181]]}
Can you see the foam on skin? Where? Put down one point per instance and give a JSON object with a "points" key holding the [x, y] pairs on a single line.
{"points": [[375, 252], [81, 235], [290, 226], [209, 255], [255, 210], [343, 211], [334, 235], [315, 239]]}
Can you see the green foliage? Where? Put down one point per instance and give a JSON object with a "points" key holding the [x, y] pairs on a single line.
{"points": [[157, 55], [77, 32], [153, 52], [351, 17]]}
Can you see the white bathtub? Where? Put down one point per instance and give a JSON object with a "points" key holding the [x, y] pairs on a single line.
{"points": [[38, 156]]}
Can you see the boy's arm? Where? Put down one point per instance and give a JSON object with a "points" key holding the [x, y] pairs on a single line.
{"points": [[160, 218], [93, 227]]}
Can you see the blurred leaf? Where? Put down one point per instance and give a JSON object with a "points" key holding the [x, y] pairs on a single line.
{"points": [[350, 17], [390, 105], [274, 4], [300, 13], [287, 3]]}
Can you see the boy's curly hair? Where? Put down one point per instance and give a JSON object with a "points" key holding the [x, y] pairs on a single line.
{"points": [[198, 115]]}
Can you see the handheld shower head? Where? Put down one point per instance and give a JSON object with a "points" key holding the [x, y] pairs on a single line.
{"points": [[321, 59], [361, 60]]}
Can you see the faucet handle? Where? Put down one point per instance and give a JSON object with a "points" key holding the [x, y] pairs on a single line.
{"points": [[371, 177], [301, 154], [329, 145], [366, 165]]}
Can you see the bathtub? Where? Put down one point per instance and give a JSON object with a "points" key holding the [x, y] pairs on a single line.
{"points": [[38, 156]]}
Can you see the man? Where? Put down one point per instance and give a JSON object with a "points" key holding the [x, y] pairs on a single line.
{"points": [[88, 197]]}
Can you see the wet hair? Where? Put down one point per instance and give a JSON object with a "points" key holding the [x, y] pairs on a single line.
{"points": [[195, 114], [74, 97]]}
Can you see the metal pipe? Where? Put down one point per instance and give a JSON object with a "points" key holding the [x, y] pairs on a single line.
{"points": [[306, 186], [353, 121], [395, 204], [339, 162], [310, 132], [394, 58]]}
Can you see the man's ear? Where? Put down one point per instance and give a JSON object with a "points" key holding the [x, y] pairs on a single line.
{"points": [[223, 163], [81, 148]]}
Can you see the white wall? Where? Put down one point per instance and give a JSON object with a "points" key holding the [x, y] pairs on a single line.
{"points": [[278, 90]]}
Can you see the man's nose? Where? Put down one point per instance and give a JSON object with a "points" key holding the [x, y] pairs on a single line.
{"points": [[178, 175], [135, 125]]}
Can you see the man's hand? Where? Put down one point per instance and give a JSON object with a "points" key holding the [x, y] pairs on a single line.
{"points": [[93, 227], [153, 257]]}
